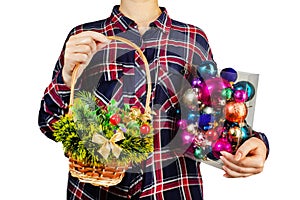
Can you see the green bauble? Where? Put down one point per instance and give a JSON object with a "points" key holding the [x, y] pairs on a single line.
{"points": [[227, 93], [198, 153]]}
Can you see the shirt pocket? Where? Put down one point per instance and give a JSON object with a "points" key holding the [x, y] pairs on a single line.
{"points": [[109, 85], [175, 80]]}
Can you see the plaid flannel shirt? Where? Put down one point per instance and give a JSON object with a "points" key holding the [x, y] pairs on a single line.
{"points": [[169, 46]]}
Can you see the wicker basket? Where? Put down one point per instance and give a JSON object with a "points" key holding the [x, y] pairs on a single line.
{"points": [[109, 174], [103, 175]]}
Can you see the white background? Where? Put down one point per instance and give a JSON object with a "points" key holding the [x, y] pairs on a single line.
{"points": [[258, 36]]}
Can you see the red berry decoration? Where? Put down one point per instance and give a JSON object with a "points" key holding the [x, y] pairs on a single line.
{"points": [[145, 129], [115, 119]]}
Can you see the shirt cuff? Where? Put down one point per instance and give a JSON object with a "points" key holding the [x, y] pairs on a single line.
{"points": [[61, 89], [264, 138]]}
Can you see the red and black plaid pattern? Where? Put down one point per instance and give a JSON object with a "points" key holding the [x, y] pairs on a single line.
{"points": [[172, 49]]}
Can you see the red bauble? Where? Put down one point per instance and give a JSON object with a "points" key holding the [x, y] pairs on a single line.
{"points": [[211, 135], [115, 119], [145, 129]]}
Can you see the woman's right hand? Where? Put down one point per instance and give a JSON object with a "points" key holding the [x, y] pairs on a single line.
{"points": [[79, 50]]}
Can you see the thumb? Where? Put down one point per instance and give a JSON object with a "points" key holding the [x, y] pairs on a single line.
{"points": [[247, 147]]}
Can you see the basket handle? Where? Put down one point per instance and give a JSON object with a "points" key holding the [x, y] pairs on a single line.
{"points": [[148, 76]]}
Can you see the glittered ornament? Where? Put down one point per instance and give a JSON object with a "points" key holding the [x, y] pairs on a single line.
{"points": [[208, 110], [221, 144], [229, 74], [246, 86], [207, 69], [192, 128], [190, 98], [235, 135], [135, 112], [235, 112]]}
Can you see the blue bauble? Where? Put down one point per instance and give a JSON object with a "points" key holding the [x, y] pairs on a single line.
{"points": [[229, 124], [205, 121], [207, 69], [192, 117], [229, 74], [246, 86], [246, 132]]}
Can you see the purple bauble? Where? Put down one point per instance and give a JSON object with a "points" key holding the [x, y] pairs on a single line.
{"points": [[182, 124], [221, 144], [240, 96], [196, 82], [211, 90], [229, 74], [187, 137]]}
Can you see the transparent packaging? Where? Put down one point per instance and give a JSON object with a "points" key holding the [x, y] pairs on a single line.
{"points": [[218, 112]]}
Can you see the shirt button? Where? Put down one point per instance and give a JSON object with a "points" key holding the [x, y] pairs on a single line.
{"points": [[184, 71]]}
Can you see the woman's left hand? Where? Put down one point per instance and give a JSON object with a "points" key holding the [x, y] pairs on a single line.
{"points": [[248, 160]]}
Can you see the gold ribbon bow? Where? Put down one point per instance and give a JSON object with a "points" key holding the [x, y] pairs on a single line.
{"points": [[109, 145], [135, 113]]}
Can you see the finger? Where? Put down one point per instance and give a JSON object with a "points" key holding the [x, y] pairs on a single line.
{"points": [[236, 167], [84, 49], [76, 58], [253, 161], [97, 37], [82, 41], [229, 173]]}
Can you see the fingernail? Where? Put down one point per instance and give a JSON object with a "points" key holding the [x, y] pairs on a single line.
{"points": [[224, 153], [238, 156]]}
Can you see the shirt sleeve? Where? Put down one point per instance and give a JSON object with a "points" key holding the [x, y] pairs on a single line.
{"points": [[56, 97], [53, 104], [264, 138]]}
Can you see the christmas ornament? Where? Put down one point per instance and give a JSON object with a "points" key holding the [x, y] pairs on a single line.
{"points": [[216, 113], [235, 111], [206, 70], [229, 74], [246, 86], [221, 145]]}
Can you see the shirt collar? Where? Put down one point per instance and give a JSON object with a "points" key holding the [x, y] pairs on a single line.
{"points": [[122, 22]]}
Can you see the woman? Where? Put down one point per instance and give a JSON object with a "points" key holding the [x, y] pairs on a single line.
{"points": [[177, 44]]}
